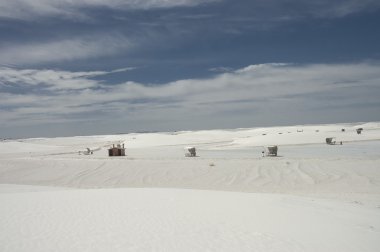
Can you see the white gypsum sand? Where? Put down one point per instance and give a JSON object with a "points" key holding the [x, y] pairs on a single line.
{"points": [[312, 197]]}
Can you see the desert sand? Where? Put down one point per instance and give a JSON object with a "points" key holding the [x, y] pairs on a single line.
{"points": [[311, 197]]}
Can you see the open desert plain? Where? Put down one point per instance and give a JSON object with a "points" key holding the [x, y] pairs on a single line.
{"points": [[57, 196]]}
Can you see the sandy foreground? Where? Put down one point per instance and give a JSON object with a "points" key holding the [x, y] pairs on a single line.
{"points": [[312, 197]]}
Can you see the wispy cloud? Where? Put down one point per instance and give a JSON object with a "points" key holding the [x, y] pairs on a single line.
{"points": [[27, 9], [267, 15], [256, 92], [52, 79], [128, 28], [221, 69], [275, 9], [84, 47], [341, 8], [320, 8]]}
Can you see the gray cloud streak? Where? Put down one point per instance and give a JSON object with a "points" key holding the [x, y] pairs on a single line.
{"points": [[29, 9], [84, 47]]}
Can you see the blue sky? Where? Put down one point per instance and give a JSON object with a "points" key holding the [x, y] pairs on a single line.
{"points": [[112, 66]]}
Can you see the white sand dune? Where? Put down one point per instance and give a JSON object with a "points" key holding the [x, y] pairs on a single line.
{"points": [[182, 220], [312, 197]]}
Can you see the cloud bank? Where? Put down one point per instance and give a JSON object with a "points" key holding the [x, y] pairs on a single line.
{"points": [[254, 95]]}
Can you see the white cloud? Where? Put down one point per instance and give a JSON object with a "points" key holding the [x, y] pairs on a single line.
{"points": [[91, 46], [27, 9], [265, 92]]}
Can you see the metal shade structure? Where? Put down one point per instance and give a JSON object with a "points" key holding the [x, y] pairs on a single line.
{"points": [[271, 150], [190, 152], [118, 150]]}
